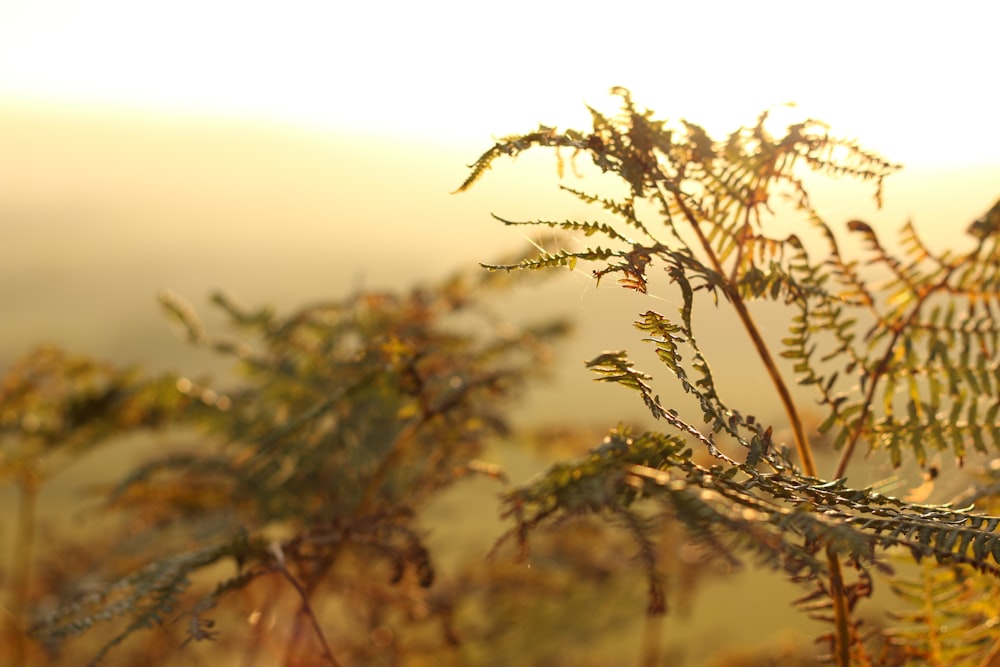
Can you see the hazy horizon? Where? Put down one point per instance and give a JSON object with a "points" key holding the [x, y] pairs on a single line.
{"points": [[102, 210]]}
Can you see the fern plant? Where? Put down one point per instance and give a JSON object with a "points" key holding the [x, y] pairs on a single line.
{"points": [[294, 510], [302, 494], [900, 367], [55, 408]]}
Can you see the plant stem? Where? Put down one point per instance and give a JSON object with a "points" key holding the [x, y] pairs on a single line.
{"points": [[305, 592], [652, 634], [842, 643], [21, 569], [992, 657], [652, 649], [310, 614], [802, 447], [880, 370]]}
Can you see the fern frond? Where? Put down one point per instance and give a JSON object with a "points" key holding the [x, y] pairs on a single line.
{"points": [[952, 617], [905, 364], [148, 598], [784, 519], [934, 386], [547, 260], [514, 144], [588, 228]]}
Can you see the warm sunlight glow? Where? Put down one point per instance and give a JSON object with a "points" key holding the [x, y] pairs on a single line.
{"points": [[888, 72], [289, 228], [176, 142]]}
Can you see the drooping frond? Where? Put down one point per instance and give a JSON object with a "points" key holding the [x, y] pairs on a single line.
{"points": [[514, 144], [783, 518]]}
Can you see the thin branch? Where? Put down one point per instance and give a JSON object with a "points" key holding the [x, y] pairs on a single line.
{"points": [[880, 370], [842, 646], [279, 565], [837, 592], [21, 570], [795, 421], [992, 657]]}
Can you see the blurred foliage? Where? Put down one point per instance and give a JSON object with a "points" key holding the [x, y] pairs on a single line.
{"points": [[300, 494]]}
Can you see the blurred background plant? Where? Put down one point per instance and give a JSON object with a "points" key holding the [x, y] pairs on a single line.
{"points": [[301, 490]]}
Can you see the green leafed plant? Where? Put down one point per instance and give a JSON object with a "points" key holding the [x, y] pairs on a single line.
{"points": [[902, 365]]}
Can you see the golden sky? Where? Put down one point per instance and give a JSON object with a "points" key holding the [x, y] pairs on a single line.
{"points": [[102, 207], [914, 80], [91, 191]]}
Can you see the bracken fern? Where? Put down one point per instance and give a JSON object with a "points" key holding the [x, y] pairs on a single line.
{"points": [[902, 364], [312, 472]]}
